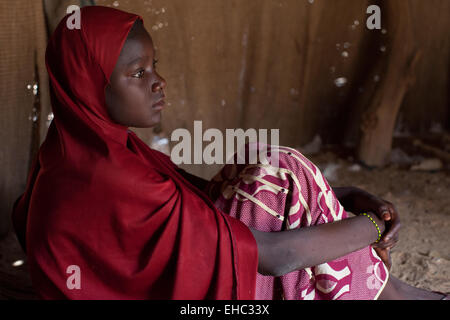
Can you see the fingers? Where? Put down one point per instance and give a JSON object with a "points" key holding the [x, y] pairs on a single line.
{"points": [[393, 229], [386, 244], [390, 237], [387, 211], [392, 232], [393, 225], [385, 256], [384, 213]]}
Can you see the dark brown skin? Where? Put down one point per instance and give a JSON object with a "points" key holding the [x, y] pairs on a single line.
{"points": [[358, 201], [131, 97], [135, 86]]}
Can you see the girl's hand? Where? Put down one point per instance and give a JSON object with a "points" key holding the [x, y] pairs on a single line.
{"points": [[363, 202], [385, 256]]}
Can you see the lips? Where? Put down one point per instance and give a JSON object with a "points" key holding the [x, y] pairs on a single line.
{"points": [[159, 105]]}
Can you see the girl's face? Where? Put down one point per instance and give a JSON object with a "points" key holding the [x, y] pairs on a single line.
{"points": [[134, 97]]}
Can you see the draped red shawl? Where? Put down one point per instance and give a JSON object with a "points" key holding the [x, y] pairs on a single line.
{"points": [[99, 198]]}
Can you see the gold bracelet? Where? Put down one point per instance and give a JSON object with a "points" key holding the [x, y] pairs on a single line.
{"points": [[376, 225]]}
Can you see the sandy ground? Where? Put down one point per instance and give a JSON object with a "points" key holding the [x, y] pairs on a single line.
{"points": [[421, 258]]}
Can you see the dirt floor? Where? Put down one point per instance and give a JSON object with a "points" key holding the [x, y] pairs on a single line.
{"points": [[422, 256]]}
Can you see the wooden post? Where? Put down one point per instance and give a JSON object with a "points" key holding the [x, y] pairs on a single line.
{"points": [[378, 121]]}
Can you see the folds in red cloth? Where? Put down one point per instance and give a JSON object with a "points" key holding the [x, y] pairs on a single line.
{"points": [[99, 198]]}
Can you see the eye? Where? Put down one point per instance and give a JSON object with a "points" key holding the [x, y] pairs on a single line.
{"points": [[155, 62], [139, 74]]}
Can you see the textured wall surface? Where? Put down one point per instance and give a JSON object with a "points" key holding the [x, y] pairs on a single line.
{"points": [[22, 45]]}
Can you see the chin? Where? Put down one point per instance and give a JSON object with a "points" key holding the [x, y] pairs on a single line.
{"points": [[154, 120], [148, 125]]}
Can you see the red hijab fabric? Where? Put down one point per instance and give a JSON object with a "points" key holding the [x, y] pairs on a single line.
{"points": [[99, 198]]}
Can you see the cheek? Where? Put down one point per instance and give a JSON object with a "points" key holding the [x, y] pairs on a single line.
{"points": [[135, 94], [131, 104], [134, 101]]}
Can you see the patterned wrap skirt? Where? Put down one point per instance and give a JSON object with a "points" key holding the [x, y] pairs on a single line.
{"points": [[290, 195]]}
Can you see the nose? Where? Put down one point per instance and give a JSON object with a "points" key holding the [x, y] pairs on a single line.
{"points": [[159, 84]]}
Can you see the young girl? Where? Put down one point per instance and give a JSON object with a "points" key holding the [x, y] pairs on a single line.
{"points": [[106, 217]]}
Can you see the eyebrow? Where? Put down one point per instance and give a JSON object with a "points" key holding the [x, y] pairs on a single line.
{"points": [[137, 60]]}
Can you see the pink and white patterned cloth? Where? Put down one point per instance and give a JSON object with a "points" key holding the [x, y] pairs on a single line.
{"points": [[294, 195]]}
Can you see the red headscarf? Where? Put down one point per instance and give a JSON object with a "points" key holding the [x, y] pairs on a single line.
{"points": [[99, 198]]}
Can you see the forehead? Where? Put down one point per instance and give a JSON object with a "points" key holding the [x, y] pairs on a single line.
{"points": [[137, 47]]}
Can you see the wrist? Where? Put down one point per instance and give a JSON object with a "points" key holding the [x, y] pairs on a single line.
{"points": [[378, 221], [377, 225]]}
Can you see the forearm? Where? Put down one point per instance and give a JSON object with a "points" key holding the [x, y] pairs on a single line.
{"points": [[345, 196], [282, 252]]}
